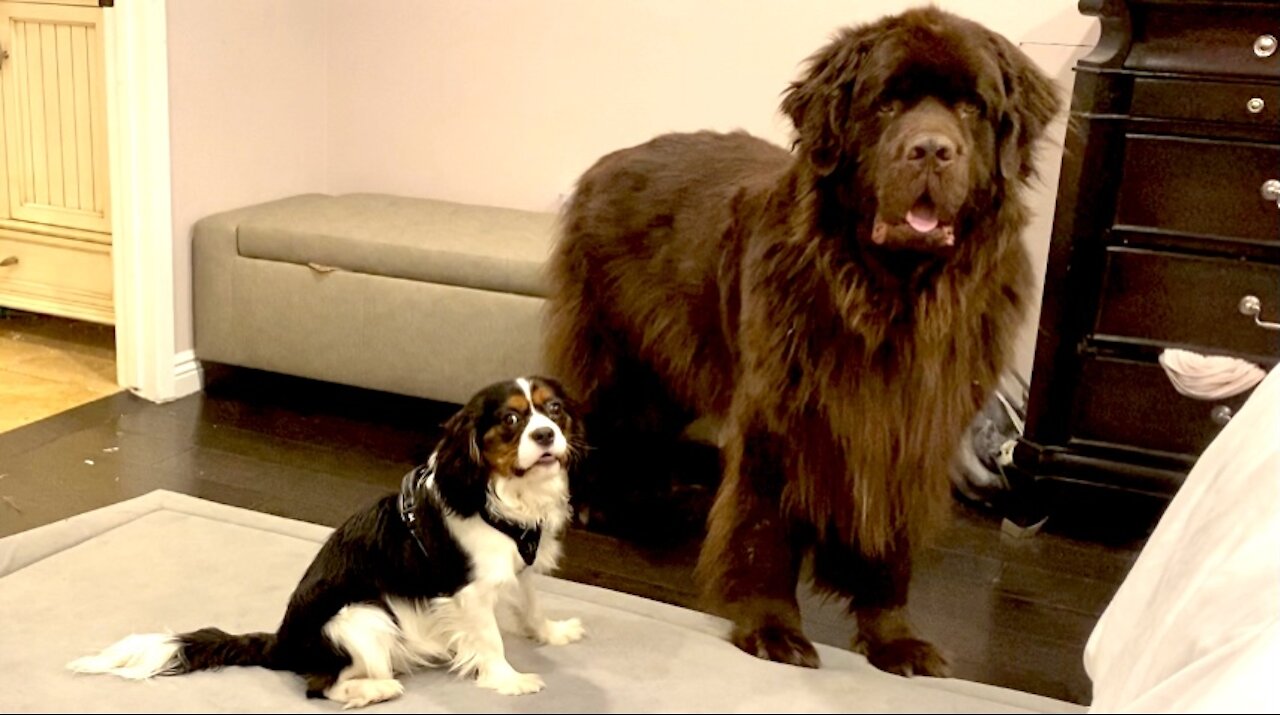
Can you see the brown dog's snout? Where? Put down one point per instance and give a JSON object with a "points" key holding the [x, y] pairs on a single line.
{"points": [[924, 179], [929, 138], [926, 151], [931, 149]]}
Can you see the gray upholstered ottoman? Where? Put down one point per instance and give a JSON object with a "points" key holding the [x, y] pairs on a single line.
{"points": [[414, 296]]}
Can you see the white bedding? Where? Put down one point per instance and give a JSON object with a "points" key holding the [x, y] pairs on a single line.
{"points": [[1195, 627]]}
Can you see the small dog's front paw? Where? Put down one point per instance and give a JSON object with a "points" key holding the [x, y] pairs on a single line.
{"points": [[512, 683], [561, 632], [359, 692]]}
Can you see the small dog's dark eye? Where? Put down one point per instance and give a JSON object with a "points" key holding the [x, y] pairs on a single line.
{"points": [[888, 108], [510, 419], [967, 110], [553, 407]]}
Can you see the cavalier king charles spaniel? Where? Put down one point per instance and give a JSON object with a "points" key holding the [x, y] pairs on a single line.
{"points": [[420, 578]]}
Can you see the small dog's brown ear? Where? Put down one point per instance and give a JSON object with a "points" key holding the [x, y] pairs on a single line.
{"points": [[462, 475], [460, 433]]}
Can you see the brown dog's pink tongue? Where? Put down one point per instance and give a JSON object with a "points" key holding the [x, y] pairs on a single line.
{"points": [[922, 217]]}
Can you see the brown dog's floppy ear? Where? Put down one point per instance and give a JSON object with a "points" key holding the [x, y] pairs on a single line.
{"points": [[819, 103], [1031, 102]]}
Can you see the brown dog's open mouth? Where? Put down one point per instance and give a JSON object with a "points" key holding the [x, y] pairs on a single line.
{"points": [[920, 227]]}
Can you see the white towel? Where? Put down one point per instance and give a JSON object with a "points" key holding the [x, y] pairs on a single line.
{"points": [[1209, 377]]}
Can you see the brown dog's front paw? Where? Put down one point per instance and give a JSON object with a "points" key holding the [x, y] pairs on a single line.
{"points": [[777, 643], [906, 656]]}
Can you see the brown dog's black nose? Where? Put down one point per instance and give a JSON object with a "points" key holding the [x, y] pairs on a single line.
{"points": [[932, 149], [543, 436]]}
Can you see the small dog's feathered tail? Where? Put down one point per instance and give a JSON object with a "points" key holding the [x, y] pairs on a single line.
{"points": [[138, 657], [210, 648]]}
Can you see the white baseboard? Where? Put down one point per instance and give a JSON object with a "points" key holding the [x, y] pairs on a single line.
{"points": [[188, 375]]}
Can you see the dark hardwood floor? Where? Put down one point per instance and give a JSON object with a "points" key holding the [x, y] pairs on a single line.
{"points": [[1014, 612]]}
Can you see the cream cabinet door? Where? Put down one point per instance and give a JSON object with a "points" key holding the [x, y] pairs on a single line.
{"points": [[54, 113]]}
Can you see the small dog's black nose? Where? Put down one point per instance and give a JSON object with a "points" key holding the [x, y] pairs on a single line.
{"points": [[543, 436], [934, 149]]}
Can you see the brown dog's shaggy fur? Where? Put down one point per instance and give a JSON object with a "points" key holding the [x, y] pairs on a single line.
{"points": [[843, 308]]}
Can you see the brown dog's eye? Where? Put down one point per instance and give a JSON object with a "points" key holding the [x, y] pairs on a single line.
{"points": [[553, 408], [966, 110], [510, 419], [888, 108]]}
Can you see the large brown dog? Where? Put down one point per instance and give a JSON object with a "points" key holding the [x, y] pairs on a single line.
{"points": [[843, 309]]}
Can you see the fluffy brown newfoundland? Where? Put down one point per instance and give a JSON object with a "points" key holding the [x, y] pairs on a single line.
{"points": [[842, 309]]}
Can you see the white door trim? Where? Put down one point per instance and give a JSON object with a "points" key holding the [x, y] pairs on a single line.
{"points": [[137, 70]]}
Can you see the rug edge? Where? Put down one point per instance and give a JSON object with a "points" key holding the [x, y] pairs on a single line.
{"points": [[17, 551]]}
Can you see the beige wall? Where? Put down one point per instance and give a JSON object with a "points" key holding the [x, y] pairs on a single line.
{"points": [[507, 102], [247, 111], [501, 102]]}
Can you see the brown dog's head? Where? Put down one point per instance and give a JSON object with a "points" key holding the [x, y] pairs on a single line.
{"points": [[918, 122]]}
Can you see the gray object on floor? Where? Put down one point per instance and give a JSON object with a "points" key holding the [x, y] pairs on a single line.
{"points": [[978, 472], [170, 561]]}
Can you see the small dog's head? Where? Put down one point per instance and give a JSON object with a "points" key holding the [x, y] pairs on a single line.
{"points": [[522, 429]]}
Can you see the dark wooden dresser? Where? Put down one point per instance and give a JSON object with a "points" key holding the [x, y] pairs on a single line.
{"points": [[1167, 218]]}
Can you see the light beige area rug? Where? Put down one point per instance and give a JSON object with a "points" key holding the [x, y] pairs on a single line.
{"points": [[169, 561]]}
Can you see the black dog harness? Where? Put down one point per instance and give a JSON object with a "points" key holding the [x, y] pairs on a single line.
{"points": [[409, 486], [414, 483]]}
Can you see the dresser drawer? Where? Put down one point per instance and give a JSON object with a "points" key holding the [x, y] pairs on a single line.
{"points": [[58, 276], [1173, 300], [1201, 187], [1132, 404], [1251, 104], [1219, 38]]}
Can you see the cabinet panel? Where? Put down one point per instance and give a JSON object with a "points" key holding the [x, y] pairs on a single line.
{"points": [[1235, 102], [54, 115], [1203, 38], [1167, 299], [47, 274], [1204, 187], [1131, 404]]}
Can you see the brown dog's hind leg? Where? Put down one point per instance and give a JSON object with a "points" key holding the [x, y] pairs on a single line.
{"points": [[750, 560], [877, 589]]}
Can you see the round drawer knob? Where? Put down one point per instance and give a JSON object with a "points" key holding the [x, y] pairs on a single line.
{"points": [[1270, 190], [1256, 105], [1264, 46], [1220, 415]]}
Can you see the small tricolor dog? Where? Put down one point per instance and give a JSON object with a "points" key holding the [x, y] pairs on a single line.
{"points": [[420, 578]]}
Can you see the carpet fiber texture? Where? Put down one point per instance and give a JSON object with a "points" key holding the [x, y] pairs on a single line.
{"points": [[166, 561]]}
